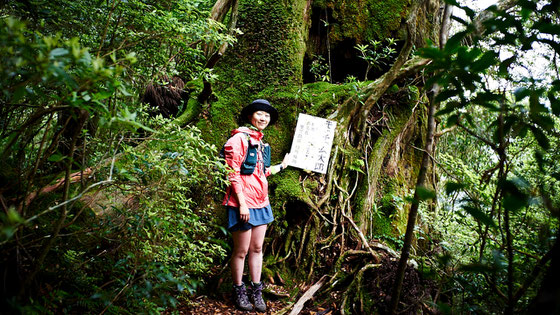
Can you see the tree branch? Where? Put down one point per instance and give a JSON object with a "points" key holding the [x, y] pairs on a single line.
{"points": [[220, 9], [533, 276], [470, 132], [308, 295]]}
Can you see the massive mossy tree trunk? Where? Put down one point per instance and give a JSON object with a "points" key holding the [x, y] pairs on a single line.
{"points": [[322, 221]]}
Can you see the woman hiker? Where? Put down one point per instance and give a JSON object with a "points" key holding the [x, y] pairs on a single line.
{"points": [[246, 200]]}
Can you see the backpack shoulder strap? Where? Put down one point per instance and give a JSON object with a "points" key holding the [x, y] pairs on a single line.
{"points": [[222, 152]]}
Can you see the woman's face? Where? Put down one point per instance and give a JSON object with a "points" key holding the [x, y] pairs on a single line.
{"points": [[260, 119]]}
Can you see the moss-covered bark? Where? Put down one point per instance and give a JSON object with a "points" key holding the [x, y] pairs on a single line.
{"points": [[366, 20], [266, 62], [270, 50]]}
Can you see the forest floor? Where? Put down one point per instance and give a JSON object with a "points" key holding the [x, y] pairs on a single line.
{"points": [[222, 303], [204, 305], [416, 296]]}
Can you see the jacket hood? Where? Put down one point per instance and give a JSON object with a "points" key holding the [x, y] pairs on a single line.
{"points": [[255, 134]]}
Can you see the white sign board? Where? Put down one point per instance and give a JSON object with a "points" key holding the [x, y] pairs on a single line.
{"points": [[311, 146]]}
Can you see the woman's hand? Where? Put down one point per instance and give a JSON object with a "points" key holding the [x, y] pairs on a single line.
{"points": [[244, 213], [285, 161], [243, 209]]}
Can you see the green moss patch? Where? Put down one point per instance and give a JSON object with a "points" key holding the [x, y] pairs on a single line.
{"points": [[365, 20]]}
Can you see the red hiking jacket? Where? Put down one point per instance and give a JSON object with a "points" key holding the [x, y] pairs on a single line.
{"points": [[254, 186]]}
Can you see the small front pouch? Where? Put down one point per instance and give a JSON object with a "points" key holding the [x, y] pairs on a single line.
{"points": [[266, 155], [250, 162]]}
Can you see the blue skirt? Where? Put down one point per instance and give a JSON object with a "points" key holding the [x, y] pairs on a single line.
{"points": [[258, 216]]}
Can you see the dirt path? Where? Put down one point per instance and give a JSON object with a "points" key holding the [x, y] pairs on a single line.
{"points": [[203, 305], [222, 304], [417, 295]]}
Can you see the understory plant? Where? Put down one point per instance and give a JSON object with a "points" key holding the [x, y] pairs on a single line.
{"points": [[103, 209]]}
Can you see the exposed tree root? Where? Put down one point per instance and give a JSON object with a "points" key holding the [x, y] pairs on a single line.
{"points": [[355, 289]]}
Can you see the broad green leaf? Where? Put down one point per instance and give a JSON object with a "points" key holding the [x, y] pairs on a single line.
{"points": [[124, 91], [7, 232], [490, 106], [452, 120], [484, 96], [499, 260], [460, 20], [445, 95], [479, 216], [528, 5], [488, 59], [520, 130], [514, 196], [504, 65], [467, 55], [18, 94], [521, 93], [57, 52], [541, 138], [525, 13], [451, 187], [431, 53], [470, 13], [101, 95], [514, 203], [454, 42], [425, 193], [57, 157], [86, 58], [449, 107], [554, 103], [535, 106], [437, 79], [131, 57], [453, 2], [548, 28], [14, 216], [544, 121]]}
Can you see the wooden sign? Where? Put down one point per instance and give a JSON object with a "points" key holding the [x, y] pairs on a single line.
{"points": [[312, 143]]}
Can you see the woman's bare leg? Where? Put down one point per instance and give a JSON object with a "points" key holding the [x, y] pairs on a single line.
{"points": [[255, 252], [241, 241]]}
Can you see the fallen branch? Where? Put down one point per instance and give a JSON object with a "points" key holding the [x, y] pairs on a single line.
{"points": [[307, 296], [70, 180], [384, 247], [74, 177]]}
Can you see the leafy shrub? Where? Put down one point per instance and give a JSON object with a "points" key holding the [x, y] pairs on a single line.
{"points": [[127, 234]]}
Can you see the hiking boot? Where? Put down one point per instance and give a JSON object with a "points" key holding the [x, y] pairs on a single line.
{"points": [[241, 299], [257, 298]]}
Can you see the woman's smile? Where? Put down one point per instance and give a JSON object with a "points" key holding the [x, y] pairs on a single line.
{"points": [[260, 119]]}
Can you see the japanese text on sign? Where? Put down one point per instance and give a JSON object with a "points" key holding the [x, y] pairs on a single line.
{"points": [[311, 146]]}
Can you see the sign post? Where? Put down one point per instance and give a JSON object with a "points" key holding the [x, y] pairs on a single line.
{"points": [[312, 143]]}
